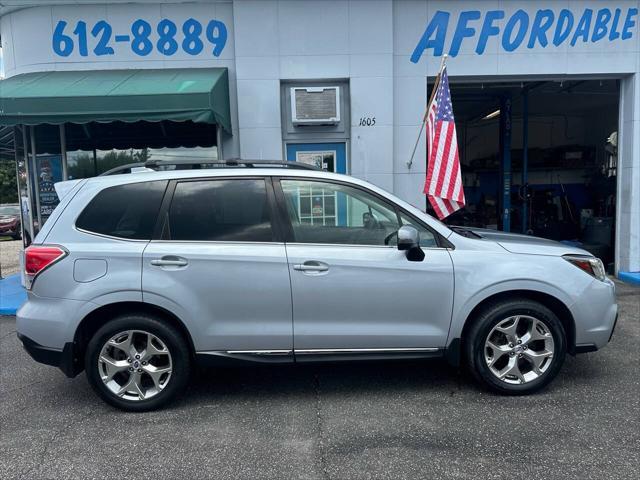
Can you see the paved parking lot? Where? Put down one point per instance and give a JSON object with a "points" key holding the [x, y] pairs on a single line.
{"points": [[391, 420], [9, 256]]}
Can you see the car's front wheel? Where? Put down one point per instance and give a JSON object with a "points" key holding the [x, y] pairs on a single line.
{"points": [[516, 347], [137, 362]]}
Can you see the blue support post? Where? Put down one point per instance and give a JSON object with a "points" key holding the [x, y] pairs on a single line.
{"points": [[525, 158], [505, 142]]}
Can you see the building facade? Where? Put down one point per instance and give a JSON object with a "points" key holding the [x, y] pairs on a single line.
{"points": [[345, 83]]}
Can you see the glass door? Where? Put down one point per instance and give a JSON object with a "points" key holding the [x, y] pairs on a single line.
{"points": [[316, 206]]}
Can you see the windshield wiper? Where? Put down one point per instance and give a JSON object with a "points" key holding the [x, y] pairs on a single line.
{"points": [[465, 232]]}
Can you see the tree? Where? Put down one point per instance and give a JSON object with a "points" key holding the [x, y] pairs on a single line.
{"points": [[8, 186], [82, 165]]}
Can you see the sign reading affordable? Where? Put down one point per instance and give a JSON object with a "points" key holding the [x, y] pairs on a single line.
{"points": [[524, 30], [141, 37]]}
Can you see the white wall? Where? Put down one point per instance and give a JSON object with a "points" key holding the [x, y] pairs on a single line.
{"points": [[334, 39], [628, 204]]}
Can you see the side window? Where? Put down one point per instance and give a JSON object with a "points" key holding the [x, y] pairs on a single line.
{"points": [[322, 212], [220, 210], [125, 211]]}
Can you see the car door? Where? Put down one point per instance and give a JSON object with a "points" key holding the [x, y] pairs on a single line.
{"points": [[220, 266], [353, 291]]}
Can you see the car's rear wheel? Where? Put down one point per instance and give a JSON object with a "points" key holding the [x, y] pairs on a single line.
{"points": [[516, 347], [137, 362]]}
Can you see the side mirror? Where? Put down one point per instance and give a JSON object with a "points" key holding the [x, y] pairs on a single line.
{"points": [[409, 240]]}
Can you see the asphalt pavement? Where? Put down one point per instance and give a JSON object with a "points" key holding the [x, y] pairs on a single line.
{"points": [[350, 421], [9, 256]]}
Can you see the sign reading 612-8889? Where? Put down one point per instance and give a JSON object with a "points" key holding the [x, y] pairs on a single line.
{"points": [[143, 38]]}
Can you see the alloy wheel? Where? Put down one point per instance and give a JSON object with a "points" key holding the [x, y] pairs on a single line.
{"points": [[519, 349], [135, 365]]}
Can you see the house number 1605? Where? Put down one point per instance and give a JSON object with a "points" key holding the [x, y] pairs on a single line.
{"points": [[367, 121]]}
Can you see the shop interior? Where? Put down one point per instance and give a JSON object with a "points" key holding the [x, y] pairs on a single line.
{"points": [[540, 158]]}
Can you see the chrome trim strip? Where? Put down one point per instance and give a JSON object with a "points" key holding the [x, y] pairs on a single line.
{"points": [[111, 237], [354, 245], [342, 245], [216, 242], [298, 244], [320, 351], [256, 352], [362, 350]]}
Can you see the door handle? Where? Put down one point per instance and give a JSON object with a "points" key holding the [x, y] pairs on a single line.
{"points": [[311, 266], [169, 262]]}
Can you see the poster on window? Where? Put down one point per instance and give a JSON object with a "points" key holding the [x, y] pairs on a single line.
{"points": [[49, 172], [321, 160]]}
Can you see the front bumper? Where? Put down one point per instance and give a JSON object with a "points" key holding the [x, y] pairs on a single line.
{"points": [[9, 229], [63, 359], [615, 322], [590, 347], [596, 315]]}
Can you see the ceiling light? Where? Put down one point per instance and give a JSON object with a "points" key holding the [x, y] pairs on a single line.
{"points": [[492, 115]]}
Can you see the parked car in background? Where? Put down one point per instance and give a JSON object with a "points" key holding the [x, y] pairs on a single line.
{"points": [[137, 277], [10, 221]]}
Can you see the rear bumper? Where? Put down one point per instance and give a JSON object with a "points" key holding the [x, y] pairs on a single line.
{"points": [[51, 322], [63, 359]]}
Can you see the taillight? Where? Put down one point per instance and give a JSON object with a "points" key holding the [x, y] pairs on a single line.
{"points": [[37, 258]]}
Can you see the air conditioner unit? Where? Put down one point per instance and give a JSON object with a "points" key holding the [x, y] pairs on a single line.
{"points": [[315, 105]]}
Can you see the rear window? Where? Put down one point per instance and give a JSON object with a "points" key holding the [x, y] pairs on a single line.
{"points": [[125, 211]]}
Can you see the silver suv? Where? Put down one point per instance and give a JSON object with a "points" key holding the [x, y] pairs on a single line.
{"points": [[137, 278]]}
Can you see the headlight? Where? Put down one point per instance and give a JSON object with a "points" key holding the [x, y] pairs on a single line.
{"points": [[591, 265]]}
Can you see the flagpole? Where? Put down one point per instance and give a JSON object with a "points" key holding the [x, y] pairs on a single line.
{"points": [[426, 112]]}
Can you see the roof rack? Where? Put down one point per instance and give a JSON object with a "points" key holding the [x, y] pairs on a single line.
{"points": [[122, 169], [234, 162], [199, 164]]}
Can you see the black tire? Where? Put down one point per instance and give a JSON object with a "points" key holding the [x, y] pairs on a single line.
{"points": [[18, 234], [167, 334], [482, 326]]}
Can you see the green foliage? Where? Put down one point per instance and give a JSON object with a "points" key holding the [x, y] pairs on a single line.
{"points": [[8, 188], [82, 165]]}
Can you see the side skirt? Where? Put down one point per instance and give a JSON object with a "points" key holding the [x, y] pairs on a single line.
{"points": [[238, 357], [221, 358], [359, 354]]}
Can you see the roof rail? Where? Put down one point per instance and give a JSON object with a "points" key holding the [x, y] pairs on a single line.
{"points": [[128, 168], [234, 162], [199, 164]]}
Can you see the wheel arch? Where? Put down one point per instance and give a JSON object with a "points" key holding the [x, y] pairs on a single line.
{"points": [[557, 306], [95, 319]]}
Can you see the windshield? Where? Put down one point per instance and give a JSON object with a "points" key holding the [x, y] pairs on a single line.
{"points": [[9, 210]]}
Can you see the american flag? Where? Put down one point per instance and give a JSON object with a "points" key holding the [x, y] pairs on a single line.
{"points": [[444, 182]]}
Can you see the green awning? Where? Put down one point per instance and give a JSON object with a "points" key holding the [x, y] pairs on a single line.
{"points": [[197, 94]]}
